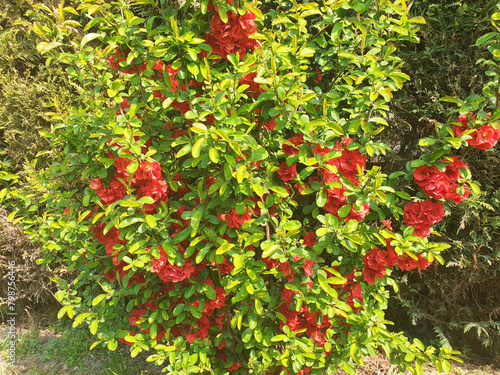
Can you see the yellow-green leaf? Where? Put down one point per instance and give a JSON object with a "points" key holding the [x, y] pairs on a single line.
{"points": [[151, 221]]}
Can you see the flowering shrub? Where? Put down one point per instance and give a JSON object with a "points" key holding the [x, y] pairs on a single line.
{"points": [[233, 217]]}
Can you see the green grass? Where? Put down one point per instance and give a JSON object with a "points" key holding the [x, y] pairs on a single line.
{"points": [[60, 349]]}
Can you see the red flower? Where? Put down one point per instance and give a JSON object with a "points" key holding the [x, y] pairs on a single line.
{"points": [[437, 184], [322, 150], [95, 184], [307, 267], [285, 268], [120, 56], [421, 215], [235, 220], [287, 173], [387, 224], [115, 192], [453, 195], [270, 263], [358, 215], [485, 137], [171, 273], [350, 161], [148, 171], [232, 37], [135, 316], [296, 140], [270, 125], [225, 267], [310, 239], [235, 366]]}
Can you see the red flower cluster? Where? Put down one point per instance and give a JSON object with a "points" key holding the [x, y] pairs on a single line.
{"points": [[286, 172], [171, 273], [119, 56], [484, 137], [235, 220], [376, 261], [336, 199], [441, 185], [421, 215], [314, 322], [232, 37], [147, 181], [295, 141]]}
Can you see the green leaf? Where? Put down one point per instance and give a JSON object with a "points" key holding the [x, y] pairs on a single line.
{"points": [[483, 39], [224, 248], [93, 327], [223, 15], [449, 99], [98, 299], [320, 232], [201, 254], [147, 200], [427, 141], [344, 210], [278, 338], [130, 203], [258, 307], [197, 147], [151, 221], [307, 52], [292, 225], [112, 344], [258, 189], [418, 19], [132, 167], [214, 155], [241, 173], [178, 309], [361, 7], [446, 366], [88, 37], [196, 218], [417, 163], [11, 215], [62, 312], [418, 368], [256, 11], [474, 188], [321, 198], [353, 350], [348, 368], [247, 335], [280, 191], [44, 47], [403, 195], [209, 291], [184, 151]]}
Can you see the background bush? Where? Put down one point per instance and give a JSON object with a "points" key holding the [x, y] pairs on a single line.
{"points": [[441, 302], [28, 90]]}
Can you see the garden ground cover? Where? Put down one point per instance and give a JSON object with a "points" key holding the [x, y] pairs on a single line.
{"points": [[48, 346]]}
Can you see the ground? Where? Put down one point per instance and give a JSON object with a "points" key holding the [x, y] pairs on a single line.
{"points": [[48, 346]]}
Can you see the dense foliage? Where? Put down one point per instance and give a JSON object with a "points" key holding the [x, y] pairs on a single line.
{"points": [[219, 190]]}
